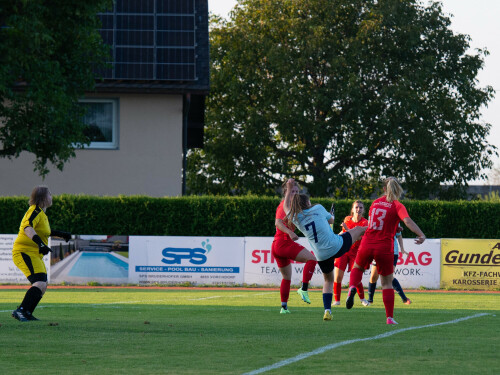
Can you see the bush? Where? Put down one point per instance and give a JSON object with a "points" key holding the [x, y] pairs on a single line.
{"points": [[232, 216]]}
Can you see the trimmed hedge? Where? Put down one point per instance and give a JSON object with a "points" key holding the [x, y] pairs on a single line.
{"points": [[232, 216]]}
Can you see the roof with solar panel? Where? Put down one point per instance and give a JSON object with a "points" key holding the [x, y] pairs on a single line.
{"points": [[156, 45]]}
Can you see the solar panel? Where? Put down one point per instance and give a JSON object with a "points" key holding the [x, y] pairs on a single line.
{"points": [[151, 40]]}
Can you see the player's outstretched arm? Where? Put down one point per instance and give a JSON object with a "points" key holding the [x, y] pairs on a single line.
{"points": [[59, 233], [288, 195], [415, 229]]}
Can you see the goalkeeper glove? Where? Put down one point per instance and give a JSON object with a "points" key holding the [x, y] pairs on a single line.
{"points": [[59, 233], [42, 248]]}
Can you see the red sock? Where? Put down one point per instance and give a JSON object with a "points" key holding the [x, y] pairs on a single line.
{"points": [[388, 298], [356, 276], [337, 290], [361, 290], [308, 271], [285, 290]]}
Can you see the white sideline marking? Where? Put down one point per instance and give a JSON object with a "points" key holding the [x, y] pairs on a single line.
{"points": [[323, 349], [93, 304], [238, 295], [199, 299], [114, 303], [202, 298]]}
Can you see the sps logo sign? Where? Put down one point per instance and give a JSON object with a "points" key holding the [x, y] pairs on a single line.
{"points": [[175, 255]]}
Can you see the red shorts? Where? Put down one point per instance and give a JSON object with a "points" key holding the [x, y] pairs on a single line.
{"points": [[383, 256], [284, 251], [346, 260]]}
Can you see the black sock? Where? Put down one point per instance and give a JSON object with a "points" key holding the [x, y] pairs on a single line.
{"points": [[398, 289], [371, 290], [305, 286], [31, 299]]}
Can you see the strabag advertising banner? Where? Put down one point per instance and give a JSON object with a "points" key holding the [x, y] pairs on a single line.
{"points": [[470, 264], [175, 260], [261, 267], [9, 273], [420, 267]]}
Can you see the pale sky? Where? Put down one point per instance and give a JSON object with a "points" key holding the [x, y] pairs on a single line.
{"points": [[477, 18]]}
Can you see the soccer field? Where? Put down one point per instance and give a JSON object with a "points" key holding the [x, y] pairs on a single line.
{"points": [[225, 331]]}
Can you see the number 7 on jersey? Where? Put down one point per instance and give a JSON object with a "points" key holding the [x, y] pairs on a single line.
{"points": [[311, 224]]}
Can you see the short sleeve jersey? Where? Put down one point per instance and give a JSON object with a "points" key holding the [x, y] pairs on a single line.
{"points": [[352, 224], [38, 220], [313, 222], [384, 218], [396, 244], [280, 214]]}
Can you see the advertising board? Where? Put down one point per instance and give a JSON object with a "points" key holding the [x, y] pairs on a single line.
{"points": [[470, 264], [261, 267], [9, 273], [196, 260]]}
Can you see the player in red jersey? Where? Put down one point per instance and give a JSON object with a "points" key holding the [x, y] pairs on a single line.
{"points": [[285, 249], [372, 285], [377, 243], [356, 219]]}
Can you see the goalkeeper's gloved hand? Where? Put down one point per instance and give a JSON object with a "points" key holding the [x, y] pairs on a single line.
{"points": [[59, 233], [42, 248]]}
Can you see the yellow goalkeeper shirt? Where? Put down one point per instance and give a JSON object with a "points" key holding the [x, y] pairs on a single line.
{"points": [[38, 220]]}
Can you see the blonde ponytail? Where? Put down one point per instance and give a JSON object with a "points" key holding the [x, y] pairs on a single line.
{"points": [[393, 189], [284, 187]]}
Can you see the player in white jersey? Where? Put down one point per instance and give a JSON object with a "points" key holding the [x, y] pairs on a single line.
{"points": [[314, 222]]}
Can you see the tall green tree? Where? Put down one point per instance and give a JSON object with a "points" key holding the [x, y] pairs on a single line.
{"points": [[337, 94], [48, 53]]}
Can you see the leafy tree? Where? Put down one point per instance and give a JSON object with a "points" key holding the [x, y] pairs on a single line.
{"points": [[337, 94], [48, 53]]}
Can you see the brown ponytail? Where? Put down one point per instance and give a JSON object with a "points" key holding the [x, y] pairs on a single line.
{"points": [[299, 203]]}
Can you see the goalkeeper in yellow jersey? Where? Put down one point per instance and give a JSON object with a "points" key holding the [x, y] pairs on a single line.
{"points": [[29, 248]]}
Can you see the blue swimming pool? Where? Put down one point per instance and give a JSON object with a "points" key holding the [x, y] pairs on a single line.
{"points": [[99, 265]]}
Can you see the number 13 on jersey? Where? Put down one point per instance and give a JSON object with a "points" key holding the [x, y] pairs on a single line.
{"points": [[376, 221]]}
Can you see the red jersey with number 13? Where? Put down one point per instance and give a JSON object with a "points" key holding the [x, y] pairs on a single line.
{"points": [[383, 221]]}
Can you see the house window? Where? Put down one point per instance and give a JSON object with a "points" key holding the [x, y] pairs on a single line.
{"points": [[101, 118]]}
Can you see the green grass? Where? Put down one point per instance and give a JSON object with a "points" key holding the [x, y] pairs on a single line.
{"points": [[141, 331]]}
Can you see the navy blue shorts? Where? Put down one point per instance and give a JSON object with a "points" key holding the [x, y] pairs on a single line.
{"points": [[327, 265]]}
